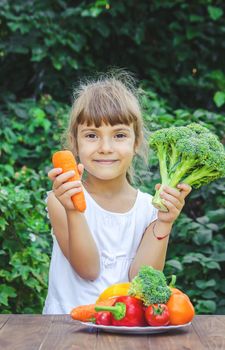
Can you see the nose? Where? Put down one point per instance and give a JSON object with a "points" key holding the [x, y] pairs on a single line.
{"points": [[105, 145]]}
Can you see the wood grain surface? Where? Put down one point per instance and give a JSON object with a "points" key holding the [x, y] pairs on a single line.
{"points": [[45, 332]]}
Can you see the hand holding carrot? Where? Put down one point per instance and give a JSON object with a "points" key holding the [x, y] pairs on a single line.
{"points": [[66, 178]]}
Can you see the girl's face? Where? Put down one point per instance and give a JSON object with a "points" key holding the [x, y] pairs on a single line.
{"points": [[106, 152]]}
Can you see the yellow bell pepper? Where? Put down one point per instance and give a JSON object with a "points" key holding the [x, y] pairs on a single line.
{"points": [[115, 290]]}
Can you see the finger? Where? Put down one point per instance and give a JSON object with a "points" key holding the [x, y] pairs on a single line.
{"points": [[157, 186], [80, 169], [70, 193], [171, 208], [66, 187], [170, 190], [184, 189], [60, 179], [177, 202], [53, 173]]}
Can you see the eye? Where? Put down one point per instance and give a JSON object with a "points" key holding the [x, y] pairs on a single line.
{"points": [[91, 136], [120, 135]]}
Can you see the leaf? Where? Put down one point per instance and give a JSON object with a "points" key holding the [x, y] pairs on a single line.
{"points": [[57, 65], [219, 257], [3, 224], [175, 263], [24, 272], [166, 118], [196, 18], [6, 292], [209, 294], [219, 98], [215, 12], [20, 112], [213, 265], [73, 63], [37, 113], [10, 135], [203, 236], [213, 227], [193, 257], [46, 125], [205, 284], [203, 219], [191, 33], [32, 283], [217, 215], [206, 306], [92, 12], [221, 286], [38, 54]]}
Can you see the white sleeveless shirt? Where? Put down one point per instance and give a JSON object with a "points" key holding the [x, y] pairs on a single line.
{"points": [[117, 236]]}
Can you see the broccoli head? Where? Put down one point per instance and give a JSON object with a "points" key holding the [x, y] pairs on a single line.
{"points": [[150, 286], [190, 154]]}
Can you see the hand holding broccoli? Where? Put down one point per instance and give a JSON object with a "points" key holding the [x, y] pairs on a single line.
{"points": [[173, 200], [187, 154]]}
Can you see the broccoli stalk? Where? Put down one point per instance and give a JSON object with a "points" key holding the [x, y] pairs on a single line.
{"points": [[190, 154], [150, 286], [162, 163]]}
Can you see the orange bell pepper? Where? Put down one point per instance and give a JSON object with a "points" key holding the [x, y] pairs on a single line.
{"points": [[179, 305], [180, 309]]}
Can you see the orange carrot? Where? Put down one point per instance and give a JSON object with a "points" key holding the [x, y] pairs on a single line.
{"points": [[66, 161], [86, 313]]}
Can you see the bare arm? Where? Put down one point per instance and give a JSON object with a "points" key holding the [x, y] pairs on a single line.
{"points": [[71, 230], [151, 250], [83, 252]]}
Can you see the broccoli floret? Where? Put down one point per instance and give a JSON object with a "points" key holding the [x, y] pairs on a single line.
{"points": [[150, 286], [190, 154]]}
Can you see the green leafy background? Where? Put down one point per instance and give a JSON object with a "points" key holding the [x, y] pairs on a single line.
{"points": [[176, 49]]}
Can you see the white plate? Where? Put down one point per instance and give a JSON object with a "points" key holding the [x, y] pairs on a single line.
{"points": [[135, 330]]}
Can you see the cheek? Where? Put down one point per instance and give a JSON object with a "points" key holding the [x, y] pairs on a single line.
{"points": [[128, 149], [83, 154], [83, 147], [86, 152]]}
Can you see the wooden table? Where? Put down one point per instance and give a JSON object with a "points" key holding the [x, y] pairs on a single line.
{"points": [[33, 332]]}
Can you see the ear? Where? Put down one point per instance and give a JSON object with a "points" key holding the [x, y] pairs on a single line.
{"points": [[76, 151], [74, 146], [135, 149]]}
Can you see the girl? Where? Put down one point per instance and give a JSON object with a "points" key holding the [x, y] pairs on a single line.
{"points": [[120, 229]]}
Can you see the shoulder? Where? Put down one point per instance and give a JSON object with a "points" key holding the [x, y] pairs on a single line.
{"points": [[144, 196], [145, 207]]}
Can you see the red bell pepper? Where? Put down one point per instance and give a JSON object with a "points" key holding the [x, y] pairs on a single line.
{"points": [[127, 311], [157, 315], [103, 318]]}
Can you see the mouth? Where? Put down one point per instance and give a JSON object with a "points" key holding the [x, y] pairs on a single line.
{"points": [[105, 161]]}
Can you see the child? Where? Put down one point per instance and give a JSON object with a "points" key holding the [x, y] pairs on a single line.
{"points": [[120, 229]]}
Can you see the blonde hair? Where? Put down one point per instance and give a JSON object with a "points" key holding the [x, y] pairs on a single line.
{"points": [[112, 99]]}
